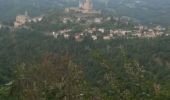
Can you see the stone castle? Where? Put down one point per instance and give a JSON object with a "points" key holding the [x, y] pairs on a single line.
{"points": [[84, 7], [23, 19]]}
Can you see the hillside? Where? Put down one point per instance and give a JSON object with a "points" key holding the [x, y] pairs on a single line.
{"points": [[156, 11], [74, 55], [148, 11], [35, 66]]}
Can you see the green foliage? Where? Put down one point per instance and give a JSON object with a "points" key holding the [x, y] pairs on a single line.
{"points": [[36, 68]]}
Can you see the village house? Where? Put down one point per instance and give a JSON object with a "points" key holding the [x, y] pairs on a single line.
{"points": [[35, 19], [81, 34], [102, 30], [159, 28], [106, 37], [111, 35], [65, 20], [137, 34], [78, 38], [108, 18], [167, 34], [78, 19], [94, 29], [65, 31], [66, 36], [55, 35], [94, 37], [98, 20], [90, 31]]}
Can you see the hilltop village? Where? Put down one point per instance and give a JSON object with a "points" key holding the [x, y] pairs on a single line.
{"points": [[98, 26], [106, 28], [84, 21]]}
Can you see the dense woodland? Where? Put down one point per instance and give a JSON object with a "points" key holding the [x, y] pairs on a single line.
{"points": [[34, 66]]}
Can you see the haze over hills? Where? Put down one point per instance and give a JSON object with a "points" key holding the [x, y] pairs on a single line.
{"points": [[147, 10], [156, 11], [70, 50]]}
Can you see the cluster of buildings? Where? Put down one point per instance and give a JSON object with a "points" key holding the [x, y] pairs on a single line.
{"points": [[85, 20], [95, 33], [23, 19], [99, 31], [148, 32], [64, 33]]}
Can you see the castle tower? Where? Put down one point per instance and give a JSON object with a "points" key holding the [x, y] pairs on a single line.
{"points": [[87, 5]]}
